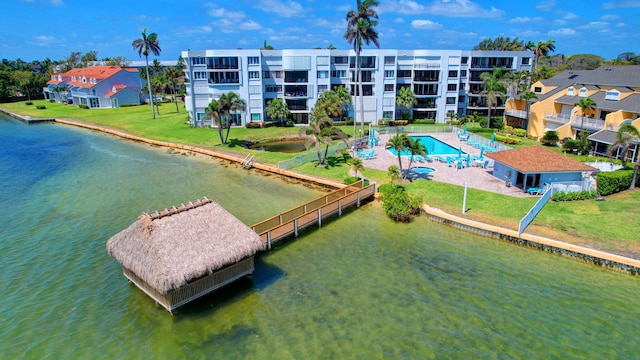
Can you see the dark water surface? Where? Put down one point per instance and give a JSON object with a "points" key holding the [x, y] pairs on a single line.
{"points": [[361, 287]]}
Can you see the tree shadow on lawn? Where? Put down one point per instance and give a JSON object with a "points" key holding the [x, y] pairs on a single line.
{"points": [[334, 161]]}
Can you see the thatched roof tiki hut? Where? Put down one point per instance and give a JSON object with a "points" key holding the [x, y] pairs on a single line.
{"points": [[180, 254]]}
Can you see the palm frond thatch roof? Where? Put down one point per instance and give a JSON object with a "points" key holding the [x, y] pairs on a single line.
{"points": [[167, 252]]}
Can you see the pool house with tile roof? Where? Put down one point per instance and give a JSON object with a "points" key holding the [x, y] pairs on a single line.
{"points": [[536, 165]]}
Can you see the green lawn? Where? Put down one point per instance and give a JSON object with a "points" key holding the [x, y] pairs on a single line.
{"points": [[605, 225]]}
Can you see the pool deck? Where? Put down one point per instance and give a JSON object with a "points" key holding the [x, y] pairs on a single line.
{"points": [[474, 177]]}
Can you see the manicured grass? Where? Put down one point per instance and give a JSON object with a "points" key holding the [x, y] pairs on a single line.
{"points": [[606, 225]]}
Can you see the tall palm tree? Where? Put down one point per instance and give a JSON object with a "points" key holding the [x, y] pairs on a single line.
{"points": [[361, 29], [321, 131], [416, 148], [406, 98], [542, 48], [398, 143], [144, 45], [494, 89], [356, 165], [586, 105], [344, 96], [173, 73], [222, 110], [628, 136]]}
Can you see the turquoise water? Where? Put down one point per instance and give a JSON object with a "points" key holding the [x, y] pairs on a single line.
{"points": [[434, 147], [361, 287], [422, 170]]}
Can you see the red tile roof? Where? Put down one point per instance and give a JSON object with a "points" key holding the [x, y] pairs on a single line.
{"points": [[538, 159], [92, 72], [117, 89]]}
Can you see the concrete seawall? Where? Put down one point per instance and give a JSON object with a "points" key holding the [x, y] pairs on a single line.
{"points": [[596, 257]]}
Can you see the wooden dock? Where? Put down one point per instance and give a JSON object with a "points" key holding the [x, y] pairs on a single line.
{"points": [[26, 119], [313, 212]]}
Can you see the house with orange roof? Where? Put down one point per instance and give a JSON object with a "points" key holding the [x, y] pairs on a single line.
{"points": [[96, 86], [535, 166]]}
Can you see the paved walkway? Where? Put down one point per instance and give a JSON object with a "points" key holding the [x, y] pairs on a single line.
{"points": [[474, 177]]}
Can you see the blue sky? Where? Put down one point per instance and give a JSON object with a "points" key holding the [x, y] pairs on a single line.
{"points": [[37, 29]]}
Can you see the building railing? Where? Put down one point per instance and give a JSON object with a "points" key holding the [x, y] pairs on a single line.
{"points": [[576, 121], [309, 156], [570, 186], [313, 212], [517, 113]]}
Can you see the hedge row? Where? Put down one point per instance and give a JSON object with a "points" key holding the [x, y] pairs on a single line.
{"points": [[508, 140], [615, 181], [572, 196]]}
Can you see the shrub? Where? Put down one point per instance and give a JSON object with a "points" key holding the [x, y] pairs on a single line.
{"points": [[83, 106], [508, 130], [40, 107], [52, 100], [289, 123], [614, 181], [397, 203], [496, 122], [253, 125], [520, 132], [350, 180], [550, 138], [569, 145], [573, 196], [508, 140], [29, 103]]}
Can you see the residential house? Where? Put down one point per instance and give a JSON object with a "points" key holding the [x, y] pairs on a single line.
{"points": [[96, 86]]}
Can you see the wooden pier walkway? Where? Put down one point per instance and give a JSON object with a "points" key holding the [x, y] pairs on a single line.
{"points": [[313, 212]]}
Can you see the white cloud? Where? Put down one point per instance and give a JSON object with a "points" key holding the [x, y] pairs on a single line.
{"points": [[547, 5], [562, 32], [425, 24], [570, 16], [595, 25], [609, 17], [43, 40], [620, 24], [520, 20], [399, 20], [528, 34], [249, 25], [286, 8], [194, 30], [224, 13], [462, 8], [621, 4]]}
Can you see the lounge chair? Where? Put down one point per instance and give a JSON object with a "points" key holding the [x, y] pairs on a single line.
{"points": [[440, 158], [428, 158], [535, 191], [449, 161]]}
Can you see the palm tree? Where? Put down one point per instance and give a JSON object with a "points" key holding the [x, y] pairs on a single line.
{"points": [[494, 89], [321, 131], [356, 165], [586, 105], [542, 48], [398, 143], [330, 104], [144, 45], [416, 148], [266, 46], [277, 109], [344, 96], [628, 136], [222, 110], [406, 98], [361, 29], [527, 96], [173, 73]]}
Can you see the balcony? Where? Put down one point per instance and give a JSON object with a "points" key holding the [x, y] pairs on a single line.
{"points": [[575, 121], [517, 113], [292, 91]]}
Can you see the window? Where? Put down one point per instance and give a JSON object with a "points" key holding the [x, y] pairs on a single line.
{"points": [[451, 100], [273, 88], [340, 60], [387, 114], [570, 90], [463, 73], [323, 88], [464, 60], [462, 85], [254, 89], [404, 73], [94, 102], [339, 73], [526, 61], [452, 87], [388, 88], [254, 74], [389, 73], [323, 74], [254, 60], [461, 98], [322, 60], [198, 61], [255, 103], [255, 117], [612, 95], [389, 60], [583, 92], [537, 89], [453, 73], [199, 75]]}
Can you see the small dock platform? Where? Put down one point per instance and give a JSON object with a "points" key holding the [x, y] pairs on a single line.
{"points": [[313, 212], [26, 118]]}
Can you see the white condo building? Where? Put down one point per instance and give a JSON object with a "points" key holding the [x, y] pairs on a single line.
{"points": [[443, 81]]}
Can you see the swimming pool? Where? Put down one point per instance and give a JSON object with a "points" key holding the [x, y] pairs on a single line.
{"points": [[433, 145], [422, 170]]}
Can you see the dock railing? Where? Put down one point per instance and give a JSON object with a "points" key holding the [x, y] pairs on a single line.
{"points": [[313, 212]]}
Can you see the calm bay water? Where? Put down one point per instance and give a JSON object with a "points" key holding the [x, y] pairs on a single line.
{"points": [[361, 287]]}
